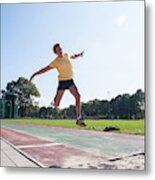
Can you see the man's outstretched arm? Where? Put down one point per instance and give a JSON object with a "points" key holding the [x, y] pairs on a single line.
{"points": [[77, 55], [41, 71]]}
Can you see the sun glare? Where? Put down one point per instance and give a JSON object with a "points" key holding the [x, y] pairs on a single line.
{"points": [[121, 19]]}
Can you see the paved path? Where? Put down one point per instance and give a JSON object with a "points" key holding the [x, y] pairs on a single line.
{"points": [[72, 148], [10, 157]]}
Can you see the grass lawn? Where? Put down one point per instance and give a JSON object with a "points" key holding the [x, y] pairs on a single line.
{"points": [[126, 126]]}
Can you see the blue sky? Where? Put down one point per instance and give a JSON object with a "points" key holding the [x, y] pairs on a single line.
{"points": [[111, 33]]}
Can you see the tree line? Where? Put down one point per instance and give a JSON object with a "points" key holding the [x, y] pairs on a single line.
{"points": [[123, 106]]}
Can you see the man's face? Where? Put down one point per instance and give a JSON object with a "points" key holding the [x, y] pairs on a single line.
{"points": [[59, 51]]}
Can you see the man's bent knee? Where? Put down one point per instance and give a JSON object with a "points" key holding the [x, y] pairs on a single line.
{"points": [[78, 97]]}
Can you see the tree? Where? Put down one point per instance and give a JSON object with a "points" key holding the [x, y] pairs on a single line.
{"points": [[33, 111], [128, 106], [49, 112], [43, 112], [71, 111], [25, 90], [137, 104]]}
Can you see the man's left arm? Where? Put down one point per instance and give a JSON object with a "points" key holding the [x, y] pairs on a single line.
{"points": [[77, 55]]}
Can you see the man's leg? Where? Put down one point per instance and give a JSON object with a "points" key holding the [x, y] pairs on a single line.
{"points": [[58, 97], [74, 91]]}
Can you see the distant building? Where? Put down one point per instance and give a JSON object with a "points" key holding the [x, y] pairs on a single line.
{"points": [[9, 105]]}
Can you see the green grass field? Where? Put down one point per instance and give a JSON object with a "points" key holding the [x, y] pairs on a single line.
{"points": [[126, 126]]}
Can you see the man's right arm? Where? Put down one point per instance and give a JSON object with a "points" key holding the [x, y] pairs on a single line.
{"points": [[41, 71]]}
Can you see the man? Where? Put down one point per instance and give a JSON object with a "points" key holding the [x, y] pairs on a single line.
{"points": [[64, 67]]}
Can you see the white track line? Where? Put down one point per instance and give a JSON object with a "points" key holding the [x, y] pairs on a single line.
{"points": [[24, 154], [38, 145]]}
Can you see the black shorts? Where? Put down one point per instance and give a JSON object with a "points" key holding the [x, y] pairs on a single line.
{"points": [[65, 84]]}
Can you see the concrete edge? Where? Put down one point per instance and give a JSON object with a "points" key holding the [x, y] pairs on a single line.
{"points": [[24, 154]]}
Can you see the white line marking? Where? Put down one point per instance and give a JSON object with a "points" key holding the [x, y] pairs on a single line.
{"points": [[24, 154], [38, 145]]}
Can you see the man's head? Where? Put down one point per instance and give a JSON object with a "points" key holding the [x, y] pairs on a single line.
{"points": [[57, 49]]}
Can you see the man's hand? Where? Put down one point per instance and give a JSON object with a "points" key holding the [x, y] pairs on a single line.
{"points": [[81, 54], [32, 77], [77, 55]]}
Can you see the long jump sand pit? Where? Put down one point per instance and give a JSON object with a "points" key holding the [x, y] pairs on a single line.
{"points": [[73, 148]]}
